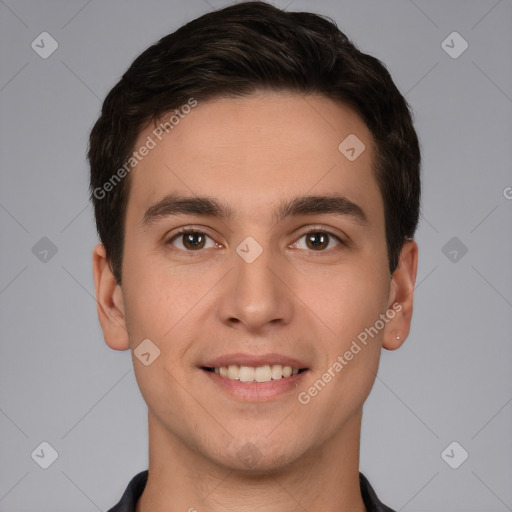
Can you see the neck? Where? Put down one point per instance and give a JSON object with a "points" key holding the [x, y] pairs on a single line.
{"points": [[182, 479]]}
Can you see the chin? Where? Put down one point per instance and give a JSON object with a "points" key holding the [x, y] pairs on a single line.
{"points": [[259, 455]]}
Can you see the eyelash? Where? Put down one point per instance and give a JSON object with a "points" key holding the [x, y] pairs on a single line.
{"points": [[315, 230]]}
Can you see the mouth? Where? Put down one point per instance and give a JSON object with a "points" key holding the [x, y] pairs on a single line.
{"points": [[255, 379], [254, 374]]}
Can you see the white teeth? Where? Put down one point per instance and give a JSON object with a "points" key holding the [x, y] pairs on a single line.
{"points": [[246, 374], [233, 371], [277, 371], [263, 373]]}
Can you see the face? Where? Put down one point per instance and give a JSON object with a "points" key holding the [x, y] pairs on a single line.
{"points": [[253, 243]]}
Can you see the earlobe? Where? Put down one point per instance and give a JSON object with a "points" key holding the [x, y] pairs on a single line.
{"points": [[393, 340], [401, 297], [110, 303]]}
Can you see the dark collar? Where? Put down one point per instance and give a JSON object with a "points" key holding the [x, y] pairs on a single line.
{"points": [[137, 484]]}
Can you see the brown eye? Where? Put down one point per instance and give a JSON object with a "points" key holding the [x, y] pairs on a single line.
{"points": [[191, 241], [317, 241]]}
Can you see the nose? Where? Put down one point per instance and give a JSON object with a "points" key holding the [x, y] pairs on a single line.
{"points": [[253, 296]]}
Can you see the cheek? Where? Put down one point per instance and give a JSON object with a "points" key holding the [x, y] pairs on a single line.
{"points": [[349, 305], [157, 298], [346, 298]]}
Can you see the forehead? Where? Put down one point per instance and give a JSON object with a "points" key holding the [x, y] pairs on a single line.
{"points": [[256, 149]]}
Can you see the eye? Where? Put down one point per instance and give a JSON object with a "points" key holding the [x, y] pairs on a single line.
{"points": [[192, 240], [317, 240]]}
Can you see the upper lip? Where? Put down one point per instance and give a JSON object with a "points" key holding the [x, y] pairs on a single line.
{"points": [[254, 360]]}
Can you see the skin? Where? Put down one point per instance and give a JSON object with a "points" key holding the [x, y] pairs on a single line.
{"points": [[252, 153]]}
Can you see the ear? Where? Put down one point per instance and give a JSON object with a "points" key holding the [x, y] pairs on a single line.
{"points": [[401, 297], [109, 300]]}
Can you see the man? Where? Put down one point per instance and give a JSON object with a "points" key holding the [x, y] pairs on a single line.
{"points": [[256, 187]]}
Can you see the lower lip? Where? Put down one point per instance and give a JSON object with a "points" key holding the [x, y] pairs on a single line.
{"points": [[256, 391]]}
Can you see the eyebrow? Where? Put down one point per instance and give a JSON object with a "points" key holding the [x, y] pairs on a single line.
{"points": [[173, 204]]}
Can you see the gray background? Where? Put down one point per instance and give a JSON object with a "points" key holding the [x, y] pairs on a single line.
{"points": [[451, 381]]}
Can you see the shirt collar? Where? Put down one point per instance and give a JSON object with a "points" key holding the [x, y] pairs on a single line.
{"points": [[137, 484]]}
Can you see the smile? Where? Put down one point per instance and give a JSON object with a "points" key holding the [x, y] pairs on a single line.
{"points": [[264, 373]]}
